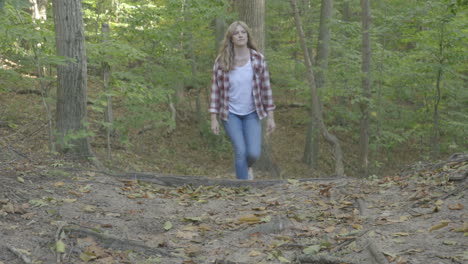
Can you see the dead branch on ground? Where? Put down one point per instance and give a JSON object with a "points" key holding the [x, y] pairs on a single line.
{"points": [[20, 254], [109, 241]]}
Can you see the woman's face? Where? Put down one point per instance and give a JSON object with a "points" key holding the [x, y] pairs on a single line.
{"points": [[240, 37]]}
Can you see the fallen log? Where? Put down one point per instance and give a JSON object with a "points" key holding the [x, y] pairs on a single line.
{"points": [[175, 180]]}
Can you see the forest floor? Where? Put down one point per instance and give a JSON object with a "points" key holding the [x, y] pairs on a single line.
{"points": [[57, 211], [54, 213]]}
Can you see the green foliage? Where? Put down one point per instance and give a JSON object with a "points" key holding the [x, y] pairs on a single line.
{"points": [[156, 48]]}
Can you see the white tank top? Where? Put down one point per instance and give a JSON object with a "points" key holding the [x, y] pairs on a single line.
{"points": [[241, 100]]}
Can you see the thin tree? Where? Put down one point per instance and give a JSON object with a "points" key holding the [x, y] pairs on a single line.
{"points": [[106, 73], [252, 12], [311, 150], [39, 9], [366, 89], [71, 79], [316, 102]]}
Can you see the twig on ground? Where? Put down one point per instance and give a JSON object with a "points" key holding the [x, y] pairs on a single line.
{"points": [[349, 240], [20, 254], [361, 206], [460, 188], [58, 235]]}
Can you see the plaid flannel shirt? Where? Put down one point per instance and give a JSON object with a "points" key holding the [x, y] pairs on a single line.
{"points": [[262, 94]]}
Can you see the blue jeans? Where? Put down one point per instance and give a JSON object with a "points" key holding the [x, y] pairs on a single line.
{"points": [[245, 133]]}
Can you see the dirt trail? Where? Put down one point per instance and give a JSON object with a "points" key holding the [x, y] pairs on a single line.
{"points": [[52, 214]]}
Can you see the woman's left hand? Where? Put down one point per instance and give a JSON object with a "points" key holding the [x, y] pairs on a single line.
{"points": [[271, 126]]}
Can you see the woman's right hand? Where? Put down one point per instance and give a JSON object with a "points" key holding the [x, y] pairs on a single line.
{"points": [[215, 126]]}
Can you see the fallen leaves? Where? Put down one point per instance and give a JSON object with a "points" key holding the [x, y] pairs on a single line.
{"points": [[457, 206], [442, 224]]}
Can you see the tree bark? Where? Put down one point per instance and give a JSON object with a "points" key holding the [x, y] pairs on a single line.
{"points": [[71, 79], [366, 89], [220, 28], [437, 95], [252, 12], [2, 5], [311, 151], [316, 104]]}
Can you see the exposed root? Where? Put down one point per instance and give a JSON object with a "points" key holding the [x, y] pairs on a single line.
{"points": [[308, 259], [225, 261]]}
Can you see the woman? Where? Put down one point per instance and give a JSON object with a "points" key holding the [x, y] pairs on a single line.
{"points": [[241, 96]]}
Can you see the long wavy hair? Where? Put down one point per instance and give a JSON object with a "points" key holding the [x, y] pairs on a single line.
{"points": [[226, 51]]}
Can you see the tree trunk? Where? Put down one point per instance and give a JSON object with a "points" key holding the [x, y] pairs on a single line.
{"points": [[108, 113], [39, 9], [252, 12], [71, 79], [317, 111], [437, 97], [311, 150], [366, 89], [220, 28], [189, 45], [2, 5]]}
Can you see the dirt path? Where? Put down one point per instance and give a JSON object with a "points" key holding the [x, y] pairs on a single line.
{"points": [[57, 215]]}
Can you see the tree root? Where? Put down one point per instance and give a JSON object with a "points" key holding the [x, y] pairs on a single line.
{"points": [[225, 261], [308, 259], [20, 254], [109, 241]]}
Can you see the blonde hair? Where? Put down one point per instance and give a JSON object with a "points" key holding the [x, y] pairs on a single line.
{"points": [[226, 51]]}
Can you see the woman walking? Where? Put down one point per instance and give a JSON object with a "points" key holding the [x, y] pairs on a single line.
{"points": [[241, 96]]}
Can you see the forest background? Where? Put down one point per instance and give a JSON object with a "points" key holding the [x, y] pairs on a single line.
{"points": [[149, 75]]}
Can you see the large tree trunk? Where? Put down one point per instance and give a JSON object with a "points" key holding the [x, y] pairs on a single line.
{"points": [[366, 89], [71, 79], [311, 150], [316, 104], [252, 12]]}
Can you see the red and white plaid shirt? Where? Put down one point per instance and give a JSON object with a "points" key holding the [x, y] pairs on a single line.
{"points": [[262, 94]]}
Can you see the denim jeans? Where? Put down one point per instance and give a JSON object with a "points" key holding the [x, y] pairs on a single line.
{"points": [[245, 133]]}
